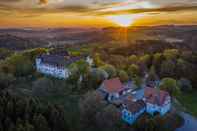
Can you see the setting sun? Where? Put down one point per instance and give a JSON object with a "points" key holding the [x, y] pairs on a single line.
{"points": [[123, 20]]}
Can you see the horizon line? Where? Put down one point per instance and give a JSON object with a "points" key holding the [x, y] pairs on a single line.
{"points": [[93, 27]]}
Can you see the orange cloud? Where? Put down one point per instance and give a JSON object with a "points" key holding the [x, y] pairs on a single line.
{"points": [[43, 1]]}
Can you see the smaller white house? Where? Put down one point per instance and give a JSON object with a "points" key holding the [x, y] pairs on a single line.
{"points": [[157, 101], [113, 89], [132, 110], [134, 103]]}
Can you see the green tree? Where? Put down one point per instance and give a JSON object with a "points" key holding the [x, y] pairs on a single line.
{"points": [[96, 76], [185, 84], [29, 127], [1, 127], [10, 109], [181, 68], [137, 81], [19, 65], [170, 85], [20, 128], [133, 59], [171, 54], [152, 76], [117, 61], [151, 125], [83, 67], [18, 114], [157, 60], [6, 80], [147, 123], [108, 119], [79, 71], [145, 61], [97, 60], [33, 53], [42, 86], [133, 70], [11, 127], [123, 76], [7, 122], [111, 70], [40, 123], [4, 53], [57, 119], [89, 106], [74, 73], [168, 68]]}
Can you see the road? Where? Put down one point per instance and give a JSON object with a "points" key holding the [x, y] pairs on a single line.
{"points": [[190, 123]]}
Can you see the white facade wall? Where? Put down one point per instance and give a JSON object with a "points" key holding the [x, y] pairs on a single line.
{"points": [[130, 117], [152, 108], [55, 71], [166, 107], [113, 96], [89, 60]]}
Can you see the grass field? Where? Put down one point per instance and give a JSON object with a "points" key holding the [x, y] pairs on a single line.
{"points": [[189, 101]]}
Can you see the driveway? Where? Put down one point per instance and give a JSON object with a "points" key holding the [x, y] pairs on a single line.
{"points": [[190, 123]]}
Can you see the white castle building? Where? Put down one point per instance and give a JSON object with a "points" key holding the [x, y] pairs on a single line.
{"points": [[57, 65]]}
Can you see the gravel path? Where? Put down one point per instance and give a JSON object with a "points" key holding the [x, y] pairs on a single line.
{"points": [[190, 123]]}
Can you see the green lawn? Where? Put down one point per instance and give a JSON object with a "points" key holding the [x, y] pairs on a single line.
{"points": [[189, 101]]}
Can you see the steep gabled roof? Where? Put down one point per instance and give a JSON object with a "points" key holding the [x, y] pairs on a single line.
{"points": [[60, 52], [58, 60], [155, 96], [148, 92], [134, 107], [113, 85], [53, 60]]}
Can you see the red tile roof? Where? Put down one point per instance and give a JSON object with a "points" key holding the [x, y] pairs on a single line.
{"points": [[134, 107], [155, 96], [113, 85], [149, 91]]}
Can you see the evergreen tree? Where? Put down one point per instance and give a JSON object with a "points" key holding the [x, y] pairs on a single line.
{"points": [[123, 76], [170, 85], [20, 128], [40, 123], [152, 76], [168, 68], [11, 127], [133, 70], [29, 127]]}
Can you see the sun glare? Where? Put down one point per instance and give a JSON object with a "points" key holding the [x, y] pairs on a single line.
{"points": [[123, 20]]}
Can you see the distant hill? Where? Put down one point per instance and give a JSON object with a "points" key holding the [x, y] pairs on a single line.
{"points": [[156, 37], [173, 35], [17, 43], [51, 36]]}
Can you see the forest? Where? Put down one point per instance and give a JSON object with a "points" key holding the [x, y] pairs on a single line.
{"points": [[32, 101]]}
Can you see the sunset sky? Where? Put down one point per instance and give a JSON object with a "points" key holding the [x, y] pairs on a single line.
{"points": [[96, 13]]}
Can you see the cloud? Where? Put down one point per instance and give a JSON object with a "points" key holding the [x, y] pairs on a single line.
{"points": [[164, 3], [9, 1], [43, 2], [96, 7], [149, 10], [75, 8]]}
